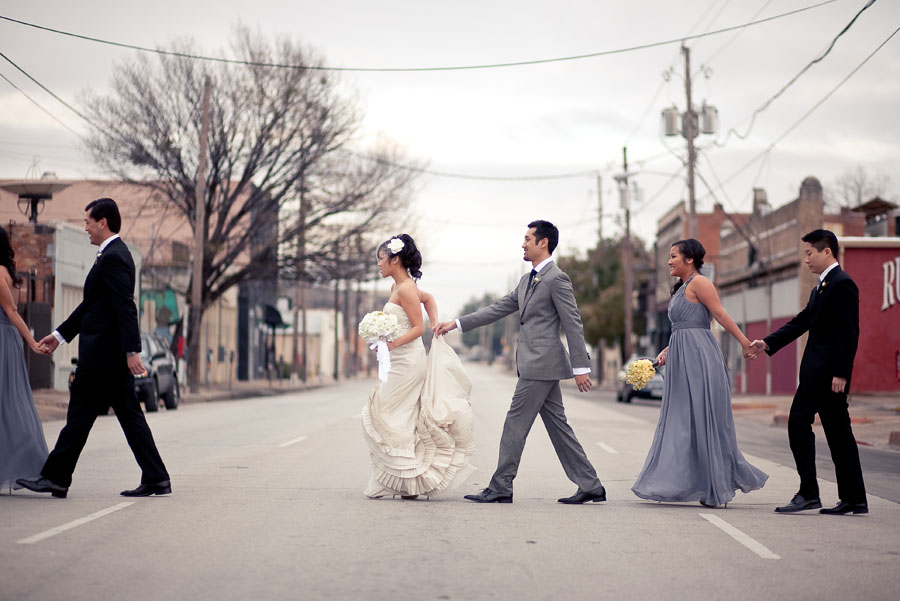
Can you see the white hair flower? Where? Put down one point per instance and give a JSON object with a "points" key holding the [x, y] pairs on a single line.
{"points": [[395, 245]]}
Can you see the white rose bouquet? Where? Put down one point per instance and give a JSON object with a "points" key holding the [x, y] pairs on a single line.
{"points": [[377, 328]]}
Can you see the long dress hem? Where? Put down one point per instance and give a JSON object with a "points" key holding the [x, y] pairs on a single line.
{"points": [[23, 449], [418, 425], [694, 455]]}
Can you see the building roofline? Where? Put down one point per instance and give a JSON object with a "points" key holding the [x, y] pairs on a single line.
{"points": [[869, 241]]}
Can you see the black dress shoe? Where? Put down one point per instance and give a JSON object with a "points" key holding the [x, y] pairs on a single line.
{"points": [[489, 496], [44, 485], [799, 503], [147, 489], [842, 508], [596, 495]]}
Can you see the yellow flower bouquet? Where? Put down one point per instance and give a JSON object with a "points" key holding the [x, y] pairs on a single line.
{"points": [[639, 373]]}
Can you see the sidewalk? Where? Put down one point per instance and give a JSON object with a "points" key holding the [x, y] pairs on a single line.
{"points": [[53, 404], [875, 418]]}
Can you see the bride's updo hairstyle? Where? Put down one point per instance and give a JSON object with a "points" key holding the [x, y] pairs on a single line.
{"points": [[689, 249], [410, 257]]}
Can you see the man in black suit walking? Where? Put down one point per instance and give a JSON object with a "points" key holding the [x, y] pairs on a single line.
{"points": [[832, 319], [108, 360]]}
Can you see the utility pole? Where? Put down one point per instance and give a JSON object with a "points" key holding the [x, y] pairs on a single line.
{"points": [[299, 359], [692, 124], [599, 211], [199, 242], [689, 131], [622, 180]]}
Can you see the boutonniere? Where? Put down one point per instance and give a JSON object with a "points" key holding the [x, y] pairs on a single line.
{"points": [[535, 281], [822, 286]]}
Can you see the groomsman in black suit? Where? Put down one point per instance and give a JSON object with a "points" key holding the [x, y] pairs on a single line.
{"points": [[832, 319], [108, 359]]}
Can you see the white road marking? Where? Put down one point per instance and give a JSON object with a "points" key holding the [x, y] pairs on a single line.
{"points": [[740, 536], [73, 524], [290, 442], [607, 448]]}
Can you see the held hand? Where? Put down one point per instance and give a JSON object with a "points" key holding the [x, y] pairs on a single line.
{"points": [[838, 384], [443, 327], [48, 344], [749, 351], [135, 366], [758, 346], [584, 382], [661, 357], [36, 347]]}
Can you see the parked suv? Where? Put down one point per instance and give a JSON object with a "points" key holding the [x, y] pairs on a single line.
{"points": [[161, 380], [653, 389]]}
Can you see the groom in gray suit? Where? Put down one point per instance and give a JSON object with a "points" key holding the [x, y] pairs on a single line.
{"points": [[546, 303]]}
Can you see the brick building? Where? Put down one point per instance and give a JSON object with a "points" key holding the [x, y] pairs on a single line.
{"points": [[53, 260], [763, 283], [160, 238], [670, 228]]}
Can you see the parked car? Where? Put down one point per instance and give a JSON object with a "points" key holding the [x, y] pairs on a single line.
{"points": [[653, 389], [161, 380]]}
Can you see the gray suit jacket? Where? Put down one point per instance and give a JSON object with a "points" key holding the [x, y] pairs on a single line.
{"points": [[545, 308]]}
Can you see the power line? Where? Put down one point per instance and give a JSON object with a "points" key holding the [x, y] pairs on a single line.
{"points": [[413, 69], [37, 104], [809, 112], [735, 36], [46, 89], [768, 102]]}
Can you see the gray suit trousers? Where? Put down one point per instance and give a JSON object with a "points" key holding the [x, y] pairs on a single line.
{"points": [[533, 397]]}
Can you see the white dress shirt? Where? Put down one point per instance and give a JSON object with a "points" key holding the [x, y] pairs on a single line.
{"points": [[827, 269]]}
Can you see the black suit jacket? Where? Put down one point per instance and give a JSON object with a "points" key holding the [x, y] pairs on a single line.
{"points": [[832, 319], [106, 319]]}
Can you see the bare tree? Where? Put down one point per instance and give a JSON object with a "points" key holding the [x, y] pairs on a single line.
{"points": [[856, 186], [278, 139]]}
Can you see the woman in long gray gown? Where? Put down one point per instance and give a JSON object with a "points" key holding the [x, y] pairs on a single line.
{"points": [[694, 455], [23, 448]]}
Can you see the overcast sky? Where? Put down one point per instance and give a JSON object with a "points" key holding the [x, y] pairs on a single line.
{"points": [[547, 119]]}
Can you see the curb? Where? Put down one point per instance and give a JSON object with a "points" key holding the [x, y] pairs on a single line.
{"points": [[894, 439], [781, 419], [236, 395]]}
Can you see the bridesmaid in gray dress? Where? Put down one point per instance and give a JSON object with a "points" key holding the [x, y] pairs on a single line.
{"points": [[694, 455], [23, 449]]}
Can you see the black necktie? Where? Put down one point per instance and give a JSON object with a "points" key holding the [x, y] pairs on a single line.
{"points": [[531, 277]]}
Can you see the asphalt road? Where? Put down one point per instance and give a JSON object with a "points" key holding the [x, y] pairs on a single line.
{"points": [[268, 504]]}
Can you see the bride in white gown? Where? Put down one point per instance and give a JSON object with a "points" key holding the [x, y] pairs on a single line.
{"points": [[417, 424]]}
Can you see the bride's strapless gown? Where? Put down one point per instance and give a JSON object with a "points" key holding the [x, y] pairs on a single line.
{"points": [[418, 424]]}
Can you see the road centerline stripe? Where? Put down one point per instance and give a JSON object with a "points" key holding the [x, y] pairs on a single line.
{"points": [[607, 448], [294, 441], [73, 524], [740, 536]]}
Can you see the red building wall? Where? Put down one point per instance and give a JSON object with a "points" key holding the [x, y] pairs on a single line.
{"points": [[877, 365], [783, 365]]}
